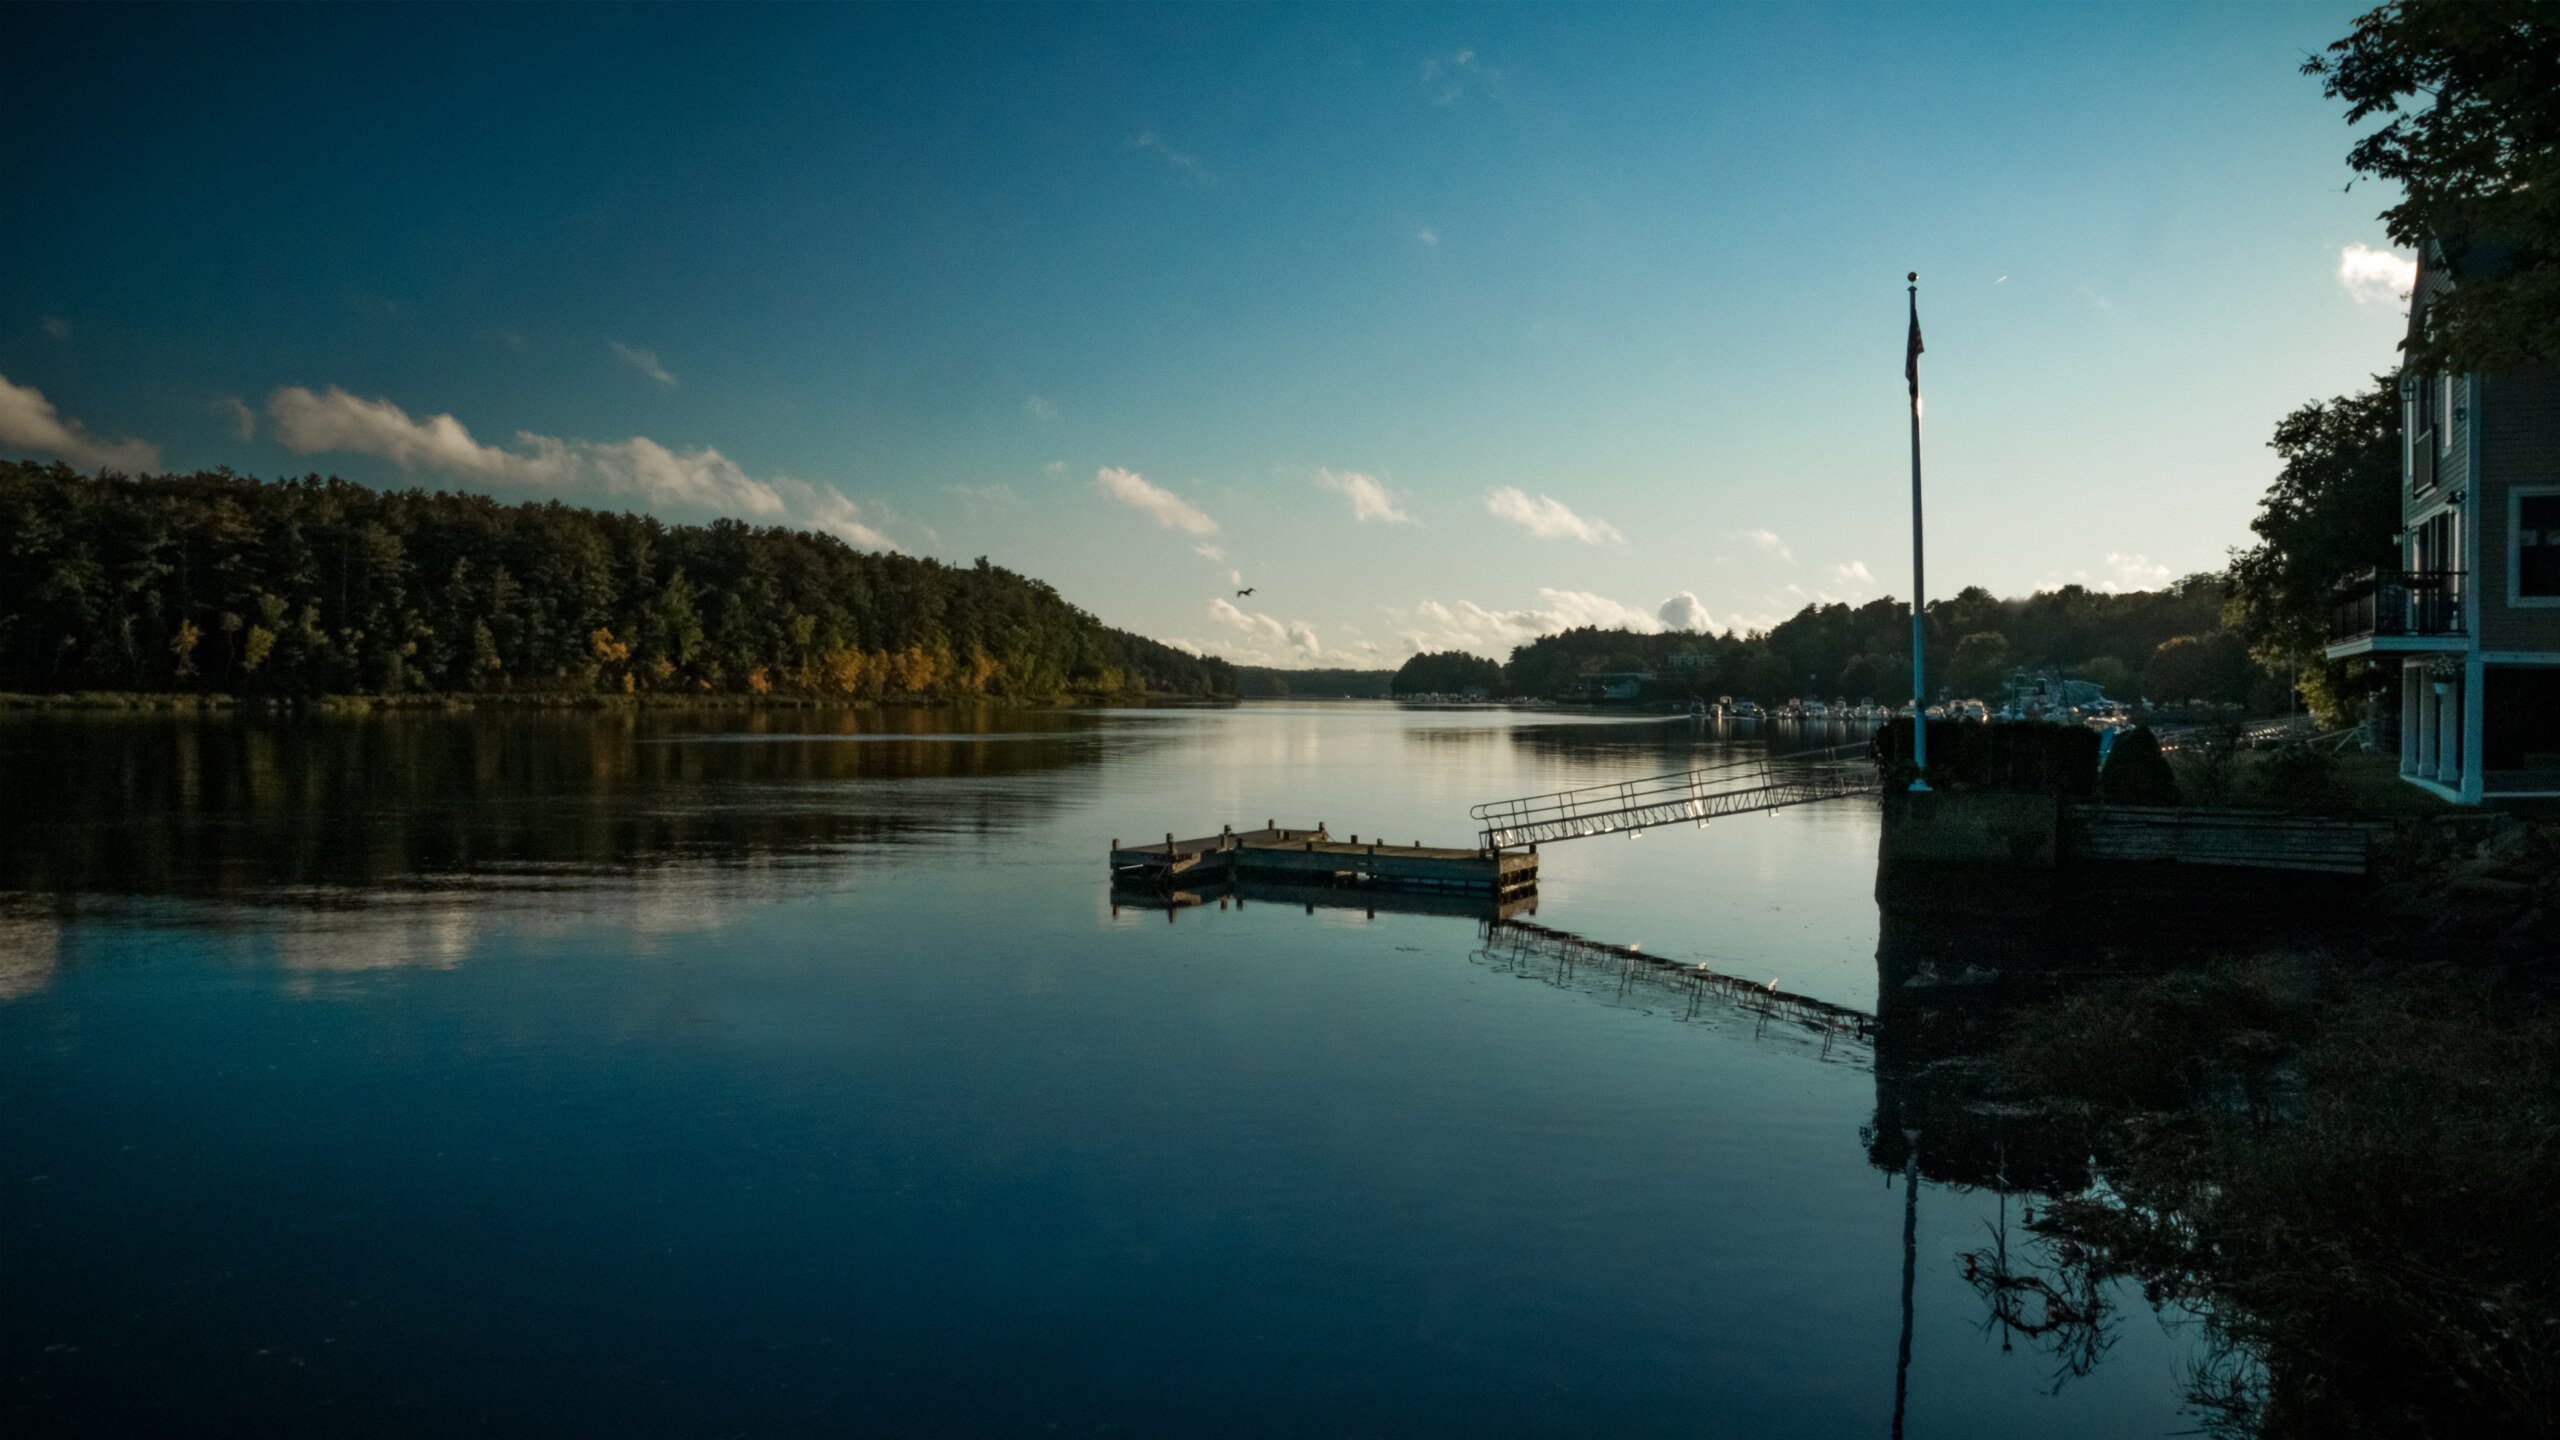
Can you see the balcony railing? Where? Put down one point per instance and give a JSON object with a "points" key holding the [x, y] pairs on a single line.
{"points": [[2397, 602]]}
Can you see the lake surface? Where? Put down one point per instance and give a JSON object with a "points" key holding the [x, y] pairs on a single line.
{"points": [[716, 1074]]}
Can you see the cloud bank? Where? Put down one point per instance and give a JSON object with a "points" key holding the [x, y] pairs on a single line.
{"points": [[635, 469], [1296, 635], [1466, 625], [1170, 510], [28, 422], [1549, 519], [1369, 499]]}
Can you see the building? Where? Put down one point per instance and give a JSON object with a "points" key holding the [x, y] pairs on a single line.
{"points": [[2472, 615]]}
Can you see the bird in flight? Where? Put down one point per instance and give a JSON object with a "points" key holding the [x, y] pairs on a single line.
{"points": [[1245, 591]]}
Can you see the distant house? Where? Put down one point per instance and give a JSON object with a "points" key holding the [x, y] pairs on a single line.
{"points": [[1614, 685], [2472, 614], [1692, 660]]}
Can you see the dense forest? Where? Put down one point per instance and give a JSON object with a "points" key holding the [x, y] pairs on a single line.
{"points": [[1449, 672], [2167, 644], [218, 582], [1267, 682]]}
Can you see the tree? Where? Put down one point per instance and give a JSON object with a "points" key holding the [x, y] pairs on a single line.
{"points": [[1979, 665], [2135, 772], [2333, 510], [2478, 162], [2212, 667], [1447, 672]]}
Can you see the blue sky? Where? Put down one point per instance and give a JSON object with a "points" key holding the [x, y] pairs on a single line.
{"points": [[1438, 326]]}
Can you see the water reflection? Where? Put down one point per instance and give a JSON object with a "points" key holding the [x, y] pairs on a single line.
{"points": [[332, 809], [948, 1142]]}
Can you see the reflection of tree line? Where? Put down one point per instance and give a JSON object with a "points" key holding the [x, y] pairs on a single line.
{"points": [[2345, 1176], [225, 806]]}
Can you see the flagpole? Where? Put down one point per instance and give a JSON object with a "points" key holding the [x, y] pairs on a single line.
{"points": [[1919, 587]]}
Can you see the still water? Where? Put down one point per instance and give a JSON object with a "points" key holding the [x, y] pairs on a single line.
{"points": [[553, 1074]]}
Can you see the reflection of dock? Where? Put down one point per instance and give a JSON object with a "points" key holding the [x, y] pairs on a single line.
{"points": [[1375, 900], [1315, 857]]}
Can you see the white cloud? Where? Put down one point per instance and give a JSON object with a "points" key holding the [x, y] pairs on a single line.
{"points": [[2136, 572], [2122, 572], [1429, 238], [638, 468], [1175, 160], [1171, 510], [1449, 77], [1207, 551], [985, 497], [1295, 635], [1853, 573], [1466, 625], [55, 327], [824, 507], [644, 361], [1369, 499], [244, 421], [28, 421], [1770, 544], [1683, 612], [1548, 518], [1039, 407], [2370, 276]]}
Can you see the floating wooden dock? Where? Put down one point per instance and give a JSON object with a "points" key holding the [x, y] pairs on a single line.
{"points": [[1313, 856], [1311, 896]]}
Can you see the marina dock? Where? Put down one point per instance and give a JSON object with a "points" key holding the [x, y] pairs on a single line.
{"points": [[1314, 856]]}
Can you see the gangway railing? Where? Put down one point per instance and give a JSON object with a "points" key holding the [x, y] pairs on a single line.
{"points": [[1526, 948], [1698, 796]]}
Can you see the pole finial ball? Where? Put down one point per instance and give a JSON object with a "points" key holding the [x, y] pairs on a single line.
{"points": [[1915, 277]]}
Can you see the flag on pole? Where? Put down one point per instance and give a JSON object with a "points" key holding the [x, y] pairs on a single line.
{"points": [[1911, 357]]}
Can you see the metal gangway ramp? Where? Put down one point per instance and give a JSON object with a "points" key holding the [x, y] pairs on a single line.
{"points": [[1737, 787]]}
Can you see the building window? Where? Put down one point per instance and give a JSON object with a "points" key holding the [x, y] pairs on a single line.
{"points": [[2537, 545]]}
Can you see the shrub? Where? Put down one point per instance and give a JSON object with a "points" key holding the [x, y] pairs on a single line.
{"points": [[2297, 777], [2135, 772]]}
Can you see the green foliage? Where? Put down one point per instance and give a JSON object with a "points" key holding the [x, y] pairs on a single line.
{"points": [[2472, 92], [2297, 777], [2136, 773], [1864, 651], [2027, 759], [307, 587], [1265, 682], [2212, 667], [1447, 672], [2333, 509]]}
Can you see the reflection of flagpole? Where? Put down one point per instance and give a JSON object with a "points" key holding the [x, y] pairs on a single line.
{"points": [[1919, 588], [1910, 1254]]}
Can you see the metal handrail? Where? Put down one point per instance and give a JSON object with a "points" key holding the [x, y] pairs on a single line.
{"points": [[1698, 795], [2398, 602]]}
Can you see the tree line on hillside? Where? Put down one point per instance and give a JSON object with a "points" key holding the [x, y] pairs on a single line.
{"points": [[222, 583], [2168, 644], [1269, 682]]}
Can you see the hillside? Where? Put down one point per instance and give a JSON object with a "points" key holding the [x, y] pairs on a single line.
{"points": [[217, 582]]}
